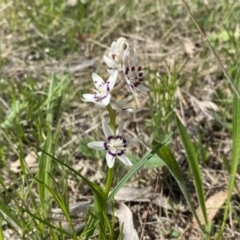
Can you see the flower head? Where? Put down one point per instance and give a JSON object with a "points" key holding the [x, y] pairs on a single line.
{"points": [[115, 145], [134, 73], [114, 59], [102, 95], [117, 49]]}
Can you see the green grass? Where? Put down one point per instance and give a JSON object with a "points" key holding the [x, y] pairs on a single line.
{"points": [[42, 112]]}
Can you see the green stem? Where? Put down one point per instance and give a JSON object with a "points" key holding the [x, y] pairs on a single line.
{"points": [[109, 181], [112, 114]]}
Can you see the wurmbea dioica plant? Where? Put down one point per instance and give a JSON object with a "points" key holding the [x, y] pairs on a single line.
{"points": [[124, 72], [123, 64]]}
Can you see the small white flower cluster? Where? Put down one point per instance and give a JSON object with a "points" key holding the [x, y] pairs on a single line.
{"points": [[120, 62]]}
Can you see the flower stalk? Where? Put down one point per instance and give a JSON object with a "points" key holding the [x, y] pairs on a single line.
{"points": [[109, 181], [112, 116]]}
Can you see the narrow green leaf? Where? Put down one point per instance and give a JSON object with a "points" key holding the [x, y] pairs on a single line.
{"points": [[43, 170], [88, 152], [1, 228], [100, 201], [60, 203], [44, 222], [4, 210], [154, 162], [121, 232], [15, 110], [166, 155], [55, 89], [194, 167], [236, 147], [90, 226], [94, 187], [136, 167]]}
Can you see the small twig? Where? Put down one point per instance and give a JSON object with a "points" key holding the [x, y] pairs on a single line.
{"points": [[212, 50]]}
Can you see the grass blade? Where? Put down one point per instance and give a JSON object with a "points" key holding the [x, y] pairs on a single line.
{"points": [[194, 167], [60, 203], [45, 222], [136, 167], [100, 204], [5, 211], [235, 149], [1, 229], [44, 169], [166, 155]]}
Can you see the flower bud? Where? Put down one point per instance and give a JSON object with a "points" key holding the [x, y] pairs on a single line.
{"points": [[117, 49]]}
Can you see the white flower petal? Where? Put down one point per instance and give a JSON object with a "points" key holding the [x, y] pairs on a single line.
{"points": [[115, 106], [120, 129], [113, 45], [111, 71], [124, 159], [122, 102], [120, 44], [112, 79], [87, 97], [134, 73], [126, 51], [125, 57], [97, 80], [106, 129], [111, 63], [133, 91], [144, 73], [134, 57], [119, 106], [142, 88], [131, 110], [93, 100], [132, 141], [96, 145], [116, 51], [128, 81], [106, 100], [99, 104], [110, 160]]}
